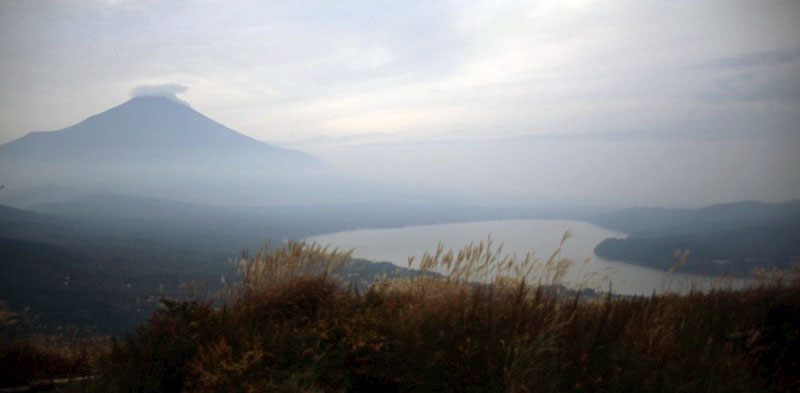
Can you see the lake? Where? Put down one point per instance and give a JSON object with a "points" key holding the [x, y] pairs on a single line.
{"points": [[519, 237]]}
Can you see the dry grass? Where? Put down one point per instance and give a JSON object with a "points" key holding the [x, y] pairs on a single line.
{"points": [[293, 260], [289, 325], [39, 359], [483, 262]]}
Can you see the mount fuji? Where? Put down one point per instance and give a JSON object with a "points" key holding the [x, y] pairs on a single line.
{"points": [[160, 147]]}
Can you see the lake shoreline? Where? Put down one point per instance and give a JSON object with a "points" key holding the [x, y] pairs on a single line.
{"points": [[519, 236]]}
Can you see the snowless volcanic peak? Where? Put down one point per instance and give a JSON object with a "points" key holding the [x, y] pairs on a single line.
{"points": [[145, 124], [159, 146]]}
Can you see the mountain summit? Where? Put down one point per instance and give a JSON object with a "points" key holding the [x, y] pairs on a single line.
{"points": [[148, 127], [159, 147]]}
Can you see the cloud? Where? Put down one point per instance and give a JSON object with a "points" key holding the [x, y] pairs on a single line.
{"points": [[754, 76], [166, 90], [768, 58]]}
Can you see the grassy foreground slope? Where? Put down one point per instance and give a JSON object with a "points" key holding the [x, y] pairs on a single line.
{"points": [[290, 326]]}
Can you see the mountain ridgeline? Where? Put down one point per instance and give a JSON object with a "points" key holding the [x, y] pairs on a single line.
{"points": [[150, 128], [721, 239], [160, 147]]}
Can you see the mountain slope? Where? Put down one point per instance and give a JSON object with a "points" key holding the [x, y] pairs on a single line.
{"points": [[103, 262], [146, 127], [158, 147]]}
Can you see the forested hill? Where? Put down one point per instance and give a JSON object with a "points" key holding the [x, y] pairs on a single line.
{"points": [[729, 238], [653, 221], [103, 261]]}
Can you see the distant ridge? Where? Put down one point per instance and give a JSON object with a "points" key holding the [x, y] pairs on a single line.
{"points": [[654, 220], [729, 238]]}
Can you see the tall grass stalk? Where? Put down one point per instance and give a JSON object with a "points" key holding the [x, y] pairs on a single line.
{"points": [[492, 323], [292, 260]]}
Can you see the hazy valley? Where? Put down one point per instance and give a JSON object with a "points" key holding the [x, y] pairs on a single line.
{"points": [[548, 196], [100, 238]]}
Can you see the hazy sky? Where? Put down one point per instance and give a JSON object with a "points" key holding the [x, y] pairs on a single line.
{"points": [[633, 102]]}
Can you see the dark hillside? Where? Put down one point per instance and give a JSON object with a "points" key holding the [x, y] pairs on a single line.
{"points": [[103, 262], [734, 251], [661, 221], [733, 238]]}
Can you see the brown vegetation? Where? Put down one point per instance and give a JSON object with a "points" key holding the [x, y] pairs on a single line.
{"points": [[291, 326]]}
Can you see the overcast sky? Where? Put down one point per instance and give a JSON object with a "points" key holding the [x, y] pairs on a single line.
{"points": [[648, 88]]}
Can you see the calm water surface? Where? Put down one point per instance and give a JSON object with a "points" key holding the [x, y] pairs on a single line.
{"points": [[519, 237]]}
